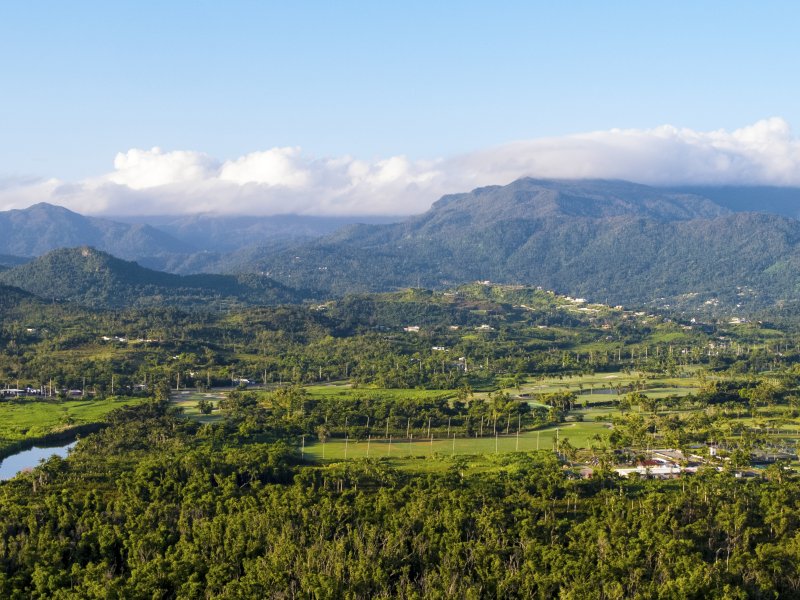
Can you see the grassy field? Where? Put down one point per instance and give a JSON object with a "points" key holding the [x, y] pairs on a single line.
{"points": [[438, 463], [345, 390], [579, 435], [27, 419], [605, 387], [187, 400]]}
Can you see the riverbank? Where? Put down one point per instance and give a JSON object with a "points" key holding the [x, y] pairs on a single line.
{"points": [[54, 438], [25, 422]]}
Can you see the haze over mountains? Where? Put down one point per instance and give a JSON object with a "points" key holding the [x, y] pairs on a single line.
{"points": [[44, 227], [606, 240]]}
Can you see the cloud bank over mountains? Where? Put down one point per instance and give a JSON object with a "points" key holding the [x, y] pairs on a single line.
{"points": [[285, 180]]}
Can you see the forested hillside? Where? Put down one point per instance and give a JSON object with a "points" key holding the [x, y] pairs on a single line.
{"points": [[94, 278], [605, 240], [614, 241]]}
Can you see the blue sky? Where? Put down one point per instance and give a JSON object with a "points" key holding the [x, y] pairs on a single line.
{"points": [[84, 81]]}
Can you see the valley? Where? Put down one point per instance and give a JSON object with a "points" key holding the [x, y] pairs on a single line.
{"points": [[354, 432]]}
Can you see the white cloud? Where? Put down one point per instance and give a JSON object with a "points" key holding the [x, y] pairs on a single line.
{"points": [[275, 167], [284, 180], [142, 169]]}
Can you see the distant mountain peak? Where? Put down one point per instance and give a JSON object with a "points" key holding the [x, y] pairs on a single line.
{"points": [[532, 199], [42, 227]]}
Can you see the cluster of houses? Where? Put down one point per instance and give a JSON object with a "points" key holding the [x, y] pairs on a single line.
{"points": [[669, 464], [663, 464], [416, 328]]}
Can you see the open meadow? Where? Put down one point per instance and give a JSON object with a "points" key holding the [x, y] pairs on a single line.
{"points": [[580, 435], [30, 419]]}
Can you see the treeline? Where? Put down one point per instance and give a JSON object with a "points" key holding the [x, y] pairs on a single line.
{"points": [[292, 412]]}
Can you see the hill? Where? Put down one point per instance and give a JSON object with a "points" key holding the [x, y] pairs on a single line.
{"points": [[43, 227], [11, 297], [177, 244], [97, 279], [615, 241]]}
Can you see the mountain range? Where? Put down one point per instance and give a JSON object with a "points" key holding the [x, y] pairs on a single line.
{"points": [[184, 243], [44, 227], [615, 241], [607, 240]]}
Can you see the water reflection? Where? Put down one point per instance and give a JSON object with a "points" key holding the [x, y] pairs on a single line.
{"points": [[27, 459]]}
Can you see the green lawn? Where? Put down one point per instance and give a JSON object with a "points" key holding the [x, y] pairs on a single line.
{"points": [[603, 387], [579, 435], [345, 390], [187, 401], [23, 419]]}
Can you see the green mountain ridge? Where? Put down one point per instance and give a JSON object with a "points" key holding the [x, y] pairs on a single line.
{"points": [[614, 241], [96, 279]]}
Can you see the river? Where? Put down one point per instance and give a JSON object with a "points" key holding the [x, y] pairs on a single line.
{"points": [[27, 459]]}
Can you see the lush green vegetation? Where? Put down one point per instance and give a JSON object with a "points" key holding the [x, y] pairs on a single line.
{"points": [[477, 335], [96, 279], [600, 239], [414, 444], [154, 506], [24, 420]]}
